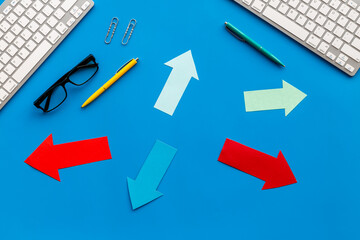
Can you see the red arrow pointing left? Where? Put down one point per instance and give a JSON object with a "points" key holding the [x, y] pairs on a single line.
{"points": [[49, 158]]}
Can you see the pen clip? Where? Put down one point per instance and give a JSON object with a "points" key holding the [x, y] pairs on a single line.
{"points": [[239, 38], [123, 66]]}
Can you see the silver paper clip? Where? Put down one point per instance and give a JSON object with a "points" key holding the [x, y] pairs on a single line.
{"points": [[132, 24], [113, 24]]}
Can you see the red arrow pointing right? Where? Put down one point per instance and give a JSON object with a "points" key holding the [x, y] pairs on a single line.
{"points": [[274, 171]]}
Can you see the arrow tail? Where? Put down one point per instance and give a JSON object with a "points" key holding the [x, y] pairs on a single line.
{"points": [[264, 100]]}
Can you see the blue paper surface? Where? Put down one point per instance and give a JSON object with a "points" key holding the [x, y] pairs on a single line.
{"points": [[204, 198]]}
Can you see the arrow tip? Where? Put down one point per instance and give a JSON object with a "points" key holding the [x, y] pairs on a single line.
{"points": [[185, 63], [39, 159], [293, 96], [282, 175], [141, 194]]}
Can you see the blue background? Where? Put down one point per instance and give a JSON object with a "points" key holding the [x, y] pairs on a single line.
{"points": [[203, 199]]}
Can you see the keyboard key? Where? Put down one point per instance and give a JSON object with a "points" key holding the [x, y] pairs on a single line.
{"points": [[67, 4], [352, 4], [292, 14], [16, 29], [31, 45], [283, 8], [302, 8], [337, 43], [55, 3], [347, 37], [343, 57], [78, 13], [310, 25], [26, 3], [351, 27], [349, 67], [3, 45], [3, 95], [71, 21], [339, 31], [10, 85], [335, 4], [324, 9], [24, 53], [257, 5], [319, 31], [4, 26], [19, 10], [11, 18], [329, 25], [342, 21], [274, 3], [31, 62], [340, 62], [3, 77], [353, 15], [74, 10], [14, 2], [53, 37], [45, 29], [40, 18], [52, 21], [333, 15], [87, 4], [33, 26], [38, 37], [301, 19], [320, 19], [16, 61], [19, 42], [331, 55], [12, 50], [59, 14], [311, 13], [26, 34], [356, 43], [23, 21], [31, 13], [47, 10], [9, 37], [286, 23], [344, 9], [7, 10], [323, 47], [313, 41], [38, 5], [293, 3], [9, 69], [62, 28], [315, 4], [247, 2]]}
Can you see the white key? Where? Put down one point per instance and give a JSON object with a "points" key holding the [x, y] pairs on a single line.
{"points": [[313, 41], [74, 10], [310, 25], [324, 9], [293, 3], [9, 69], [31, 45], [347, 37], [71, 21], [315, 4], [286, 23], [45, 29], [292, 14], [1, 66], [337, 43], [16, 61], [85, 5], [329, 25], [3, 95], [333, 15], [349, 67], [283, 8], [311, 13], [24, 53], [67, 4], [33, 26], [48, 10], [16, 29], [351, 27], [26, 3], [331, 56], [257, 5], [31, 62], [40, 18], [323, 47], [340, 62], [52, 21], [53, 37], [4, 26], [356, 43], [302, 8], [353, 15], [9, 37], [60, 13], [78, 13], [343, 57], [10, 85], [3, 77], [55, 3], [247, 2], [339, 31], [1, 17], [344, 9], [319, 31], [24, 21], [274, 3], [301, 19], [11, 18], [30, 13], [19, 42], [19, 10], [342, 21], [62, 28], [320, 19], [3, 45], [335, 4], [352, 4], [7, 10], [26, 34], [12, 50], [38, 5], [14, 2], [38, 37]]}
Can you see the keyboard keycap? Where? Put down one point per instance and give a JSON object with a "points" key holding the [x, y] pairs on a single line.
{"points": [[67, 4], [323, 47], [3, 77], [53, 37], [337, 43], [349, 67], [351, 52], [257, 5], [356, 43], [313, 41], [3, 95], [10, 85]]}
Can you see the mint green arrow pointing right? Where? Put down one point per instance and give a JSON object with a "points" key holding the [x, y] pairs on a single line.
{"points": [[286, 98]]}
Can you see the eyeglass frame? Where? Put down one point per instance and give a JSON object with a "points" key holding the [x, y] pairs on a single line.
{"points": [[63, 81]]}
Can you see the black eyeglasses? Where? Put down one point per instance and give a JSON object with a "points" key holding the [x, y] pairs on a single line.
{"points": [[56, 94]]}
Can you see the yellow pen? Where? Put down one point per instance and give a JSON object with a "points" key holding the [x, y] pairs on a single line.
{"points": [[126, 67]]}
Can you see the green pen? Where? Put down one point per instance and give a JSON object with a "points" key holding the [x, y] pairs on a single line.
{"points": [[254, 44]]}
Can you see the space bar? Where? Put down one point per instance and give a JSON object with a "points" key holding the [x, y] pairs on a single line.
{"points": [[31, 62], [286, 23]]}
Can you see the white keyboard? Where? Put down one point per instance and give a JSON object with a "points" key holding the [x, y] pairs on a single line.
{"points": [[329, 28], [30, 30]]}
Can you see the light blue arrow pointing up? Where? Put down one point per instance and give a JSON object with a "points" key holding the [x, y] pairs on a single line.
{"points": [[143, 189]]}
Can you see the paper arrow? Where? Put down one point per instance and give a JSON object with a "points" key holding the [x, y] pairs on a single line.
{"points": [[183, 70], [274, 171], [286, 98], [49, 158], [143, 189]]}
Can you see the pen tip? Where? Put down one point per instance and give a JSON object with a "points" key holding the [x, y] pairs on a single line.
{"points": [[225, 23]]}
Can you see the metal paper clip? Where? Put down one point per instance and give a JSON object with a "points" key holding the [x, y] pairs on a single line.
{"points": [[132, 24], [113, 24]]}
